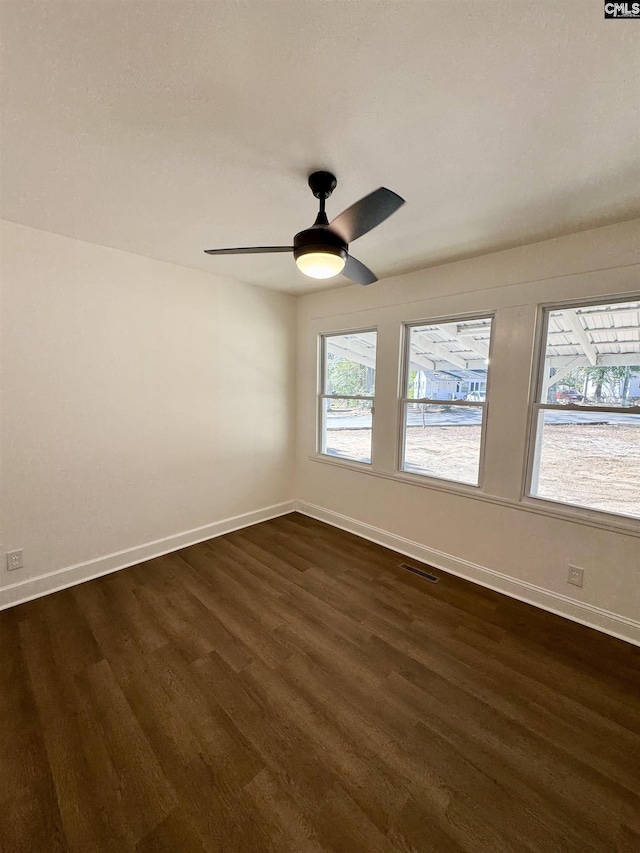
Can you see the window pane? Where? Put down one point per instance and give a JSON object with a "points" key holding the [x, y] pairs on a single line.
{"points": [[589, 459], [346, 428], [350, 364], [448, 361], [443, 441], [592, 356]]}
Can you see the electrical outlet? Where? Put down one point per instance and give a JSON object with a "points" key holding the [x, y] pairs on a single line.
{"points": [[14, 560], [576, 575]]}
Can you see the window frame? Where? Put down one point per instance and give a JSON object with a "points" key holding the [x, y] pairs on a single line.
{"points": [[404, 400], [557, 507], [322, 396]]}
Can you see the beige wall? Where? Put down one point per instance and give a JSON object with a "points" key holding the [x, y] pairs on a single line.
{"points": [[503, 541], [139, 400], [122, 381]]}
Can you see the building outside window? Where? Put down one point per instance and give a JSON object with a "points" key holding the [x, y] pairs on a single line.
{"points": [[445, 391]]}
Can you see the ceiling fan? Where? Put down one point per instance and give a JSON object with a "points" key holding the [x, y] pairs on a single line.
{"points": [[322, 251]]}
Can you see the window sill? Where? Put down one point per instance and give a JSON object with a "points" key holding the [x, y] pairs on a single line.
{"points": [[538, 506], [342, 461]]}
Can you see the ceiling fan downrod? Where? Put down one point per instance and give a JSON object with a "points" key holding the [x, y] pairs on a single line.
{"points": [[318, 251], [322, 185]]}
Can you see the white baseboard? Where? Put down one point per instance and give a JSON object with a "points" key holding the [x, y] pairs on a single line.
{"points": [[25, 590], [586, 614], [578, 611]]}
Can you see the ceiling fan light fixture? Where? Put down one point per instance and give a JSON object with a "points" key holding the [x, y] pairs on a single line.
{"points": [[318, 252], [322, 251], [321, 263]]}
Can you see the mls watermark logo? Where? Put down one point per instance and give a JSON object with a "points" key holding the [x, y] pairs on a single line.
{"points": [[621, 10]]}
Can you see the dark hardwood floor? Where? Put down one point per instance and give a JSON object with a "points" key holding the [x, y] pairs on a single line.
{"points": [[289, 688]]}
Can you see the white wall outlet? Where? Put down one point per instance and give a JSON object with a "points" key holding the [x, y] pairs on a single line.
{"points": [[576, 575], [14, 560]]}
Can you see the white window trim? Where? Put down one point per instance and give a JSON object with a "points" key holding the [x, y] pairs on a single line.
{"points": [[321, 396], [628, 523], [585, 516], [404, 400]]}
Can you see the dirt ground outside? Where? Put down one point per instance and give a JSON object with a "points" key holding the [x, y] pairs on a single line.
{"points": [[590, 465]]}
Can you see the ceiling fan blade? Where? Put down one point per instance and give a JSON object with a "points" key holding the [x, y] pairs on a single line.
{"points": [[366, 214], [356, 271], [249, 250]]}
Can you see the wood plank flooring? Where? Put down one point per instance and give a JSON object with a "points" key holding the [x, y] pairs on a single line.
{"points": [[288, 687]]}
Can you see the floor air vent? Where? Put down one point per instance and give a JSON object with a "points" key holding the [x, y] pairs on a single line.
{"points": [[426, 575]]}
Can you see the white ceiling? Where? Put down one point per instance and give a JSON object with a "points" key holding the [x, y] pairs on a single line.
{"points": [[163, 128]]}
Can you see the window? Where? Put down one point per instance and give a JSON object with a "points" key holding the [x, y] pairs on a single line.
{"points": [[445, 388], [347, 394], [587, 412]]}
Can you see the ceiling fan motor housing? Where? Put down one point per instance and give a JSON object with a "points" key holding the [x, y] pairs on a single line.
{"points": [[319, 239], [322, 184]]}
